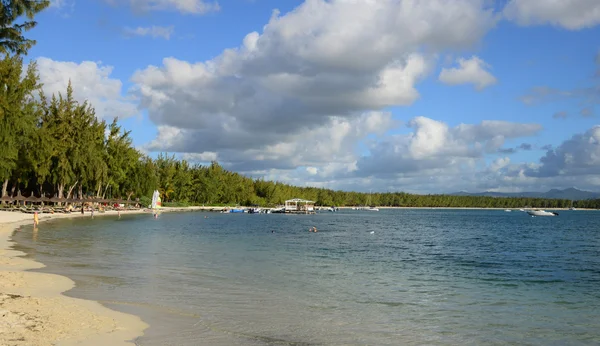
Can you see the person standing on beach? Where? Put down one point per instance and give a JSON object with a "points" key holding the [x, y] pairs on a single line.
{"points": [[92, 212], [36, 221]]}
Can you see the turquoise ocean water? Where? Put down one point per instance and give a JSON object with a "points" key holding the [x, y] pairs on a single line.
{"points": [[436, 277]]}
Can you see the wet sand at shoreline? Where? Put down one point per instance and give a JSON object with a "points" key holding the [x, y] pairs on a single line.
{"points": [[33, 310]]}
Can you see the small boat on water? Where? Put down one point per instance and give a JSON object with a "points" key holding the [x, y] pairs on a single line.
{"points": [[371, 206], [539, 212], [508, 210]]}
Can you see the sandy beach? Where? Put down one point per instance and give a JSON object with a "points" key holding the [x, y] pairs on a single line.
{"points": [[33, 310]]}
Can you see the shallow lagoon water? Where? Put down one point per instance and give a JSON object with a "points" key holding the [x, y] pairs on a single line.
{"points": [[438, 277]]}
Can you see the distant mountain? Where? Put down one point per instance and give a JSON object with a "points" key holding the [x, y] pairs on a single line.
{"points": [[570, 193]]}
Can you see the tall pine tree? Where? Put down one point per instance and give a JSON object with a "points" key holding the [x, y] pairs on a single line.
{"points": [[11, 31], [17, 113]]}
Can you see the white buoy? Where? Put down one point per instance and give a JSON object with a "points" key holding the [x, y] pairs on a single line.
{"points": [[372, 232]]}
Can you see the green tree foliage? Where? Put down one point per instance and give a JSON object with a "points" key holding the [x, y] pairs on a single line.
{"points": [[17, 115], [11, 31], [55, 146]]}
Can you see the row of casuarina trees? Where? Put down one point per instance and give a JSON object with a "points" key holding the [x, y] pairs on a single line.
{"points": [[57, 146], [54, 148]]}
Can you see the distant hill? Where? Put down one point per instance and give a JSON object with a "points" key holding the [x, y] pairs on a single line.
{"points": [[570, 193]]}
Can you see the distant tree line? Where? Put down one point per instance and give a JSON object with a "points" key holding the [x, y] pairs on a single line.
{"points": [[53, 145]]}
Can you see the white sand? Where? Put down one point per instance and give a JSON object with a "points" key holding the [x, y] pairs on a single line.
{"points": [[33, 310]]}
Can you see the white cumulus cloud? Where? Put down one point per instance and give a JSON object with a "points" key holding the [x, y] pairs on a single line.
{"points": [[568, 14], [469, 71], [577, 156], [91, 81], [153, 31], [317, 69], [433, 145], [304, 100]]}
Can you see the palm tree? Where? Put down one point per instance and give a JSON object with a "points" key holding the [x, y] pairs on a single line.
{"points": [[166, 191], [11, 33]]}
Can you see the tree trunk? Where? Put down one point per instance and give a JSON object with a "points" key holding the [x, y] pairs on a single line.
{"points": [[80, 191], [60, 187], [12, 192], [105, 189], [129, 195], [71, 189], [4, 187], [98, 189]]}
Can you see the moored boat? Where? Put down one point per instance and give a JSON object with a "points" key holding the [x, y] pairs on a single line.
{"points": [[539, 212], [371, 206]]}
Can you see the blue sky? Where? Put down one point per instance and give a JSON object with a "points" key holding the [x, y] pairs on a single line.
{"points": [[345, 94]]}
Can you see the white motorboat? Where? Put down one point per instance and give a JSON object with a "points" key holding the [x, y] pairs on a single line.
{"points": [[508, 210], [372, 209], [539, 212], [280, 210]]}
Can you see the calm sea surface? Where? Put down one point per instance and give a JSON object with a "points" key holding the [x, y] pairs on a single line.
{"points": [[446, 277]]}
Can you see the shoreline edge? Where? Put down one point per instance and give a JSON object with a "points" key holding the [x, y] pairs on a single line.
{"points": [[33, 308]]}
